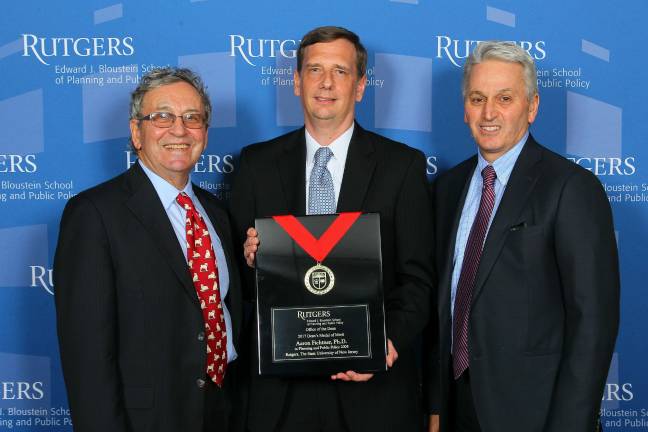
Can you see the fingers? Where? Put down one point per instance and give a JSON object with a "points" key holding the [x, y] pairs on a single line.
{"points": [[434, 423], [392, 354], [249, 259], [352, 376], [250, 246]]}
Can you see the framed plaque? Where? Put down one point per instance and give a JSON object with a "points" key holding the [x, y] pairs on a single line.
{"points": [[319, 295]]}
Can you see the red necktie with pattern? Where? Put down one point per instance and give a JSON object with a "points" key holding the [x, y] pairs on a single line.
{"points": [[204, 273], [472, 256]]}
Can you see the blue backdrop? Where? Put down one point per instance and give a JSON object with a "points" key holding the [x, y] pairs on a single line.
{"points": [[67, 69]]}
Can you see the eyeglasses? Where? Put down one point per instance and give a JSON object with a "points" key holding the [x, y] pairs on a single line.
{"points": [[166, 119]]}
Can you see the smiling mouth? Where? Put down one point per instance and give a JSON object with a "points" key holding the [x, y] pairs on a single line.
{"points": [[489, 128], [324, 99], [179, 146]]}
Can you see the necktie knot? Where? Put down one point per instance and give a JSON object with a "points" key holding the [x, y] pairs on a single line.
{"points": [[184, 200], [489, 175], [322, 156]]}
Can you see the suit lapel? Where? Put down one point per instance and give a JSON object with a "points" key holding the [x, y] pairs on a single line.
{"points": [[292, 168], [217, 222], [523, 178], [358, 170], [147, 208]]}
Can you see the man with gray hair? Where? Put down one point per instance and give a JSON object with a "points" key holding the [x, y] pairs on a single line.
{"points": [[528, 288], [147, 291]]}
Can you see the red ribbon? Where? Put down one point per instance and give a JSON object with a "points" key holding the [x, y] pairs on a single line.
{"points": [[317, 248]]}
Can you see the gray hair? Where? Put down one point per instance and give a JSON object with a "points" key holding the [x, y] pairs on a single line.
{"points": [[502, 51], [164, 76]]}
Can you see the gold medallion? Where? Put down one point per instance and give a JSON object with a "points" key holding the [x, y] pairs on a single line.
{"points": [[319, 279]]}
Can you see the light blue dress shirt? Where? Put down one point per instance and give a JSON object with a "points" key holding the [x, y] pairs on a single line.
{"points": [[503, 167], [177, 216]]}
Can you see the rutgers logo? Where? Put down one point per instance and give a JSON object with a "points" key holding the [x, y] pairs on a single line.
{"points": [[248, 48], [431, 165], [456, 50], [44, 47], [607, 166], [207, 163], [319, 280], [42, 277], [21, 390], [13, 163], [618, 392]]}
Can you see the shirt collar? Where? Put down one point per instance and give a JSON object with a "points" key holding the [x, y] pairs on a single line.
{"points": [[339, 147], [504, 164], [165, 190]]}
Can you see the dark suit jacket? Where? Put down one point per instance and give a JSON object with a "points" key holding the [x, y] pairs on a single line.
{"points": [[129, 322], [380, 176], [545, 306]]}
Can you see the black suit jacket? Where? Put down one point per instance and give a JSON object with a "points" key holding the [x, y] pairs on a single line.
{"points": [[380, 176], [129, 322], [545, 306]]}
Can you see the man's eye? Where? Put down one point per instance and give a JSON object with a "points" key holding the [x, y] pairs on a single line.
{"points": [[164, 115], [476, 100]]}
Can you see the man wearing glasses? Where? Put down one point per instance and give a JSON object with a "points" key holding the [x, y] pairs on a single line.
{"points": [[148, 298]]}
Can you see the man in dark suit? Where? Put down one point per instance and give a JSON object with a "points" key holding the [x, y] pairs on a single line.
{"points": [[528, 304], [363, 172], [147, 291]]}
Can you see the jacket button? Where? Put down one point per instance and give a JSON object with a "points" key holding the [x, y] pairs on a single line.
{"points": [[200, 382], [201, 336]]}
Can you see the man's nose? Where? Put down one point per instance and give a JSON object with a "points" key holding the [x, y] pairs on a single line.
{"points": [[327, 80], [489, 112], [178, 128]]}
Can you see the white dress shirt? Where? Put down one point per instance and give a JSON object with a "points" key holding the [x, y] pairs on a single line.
{"points": [[339, 147]]}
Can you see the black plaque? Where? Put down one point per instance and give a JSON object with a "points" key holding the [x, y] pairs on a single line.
{"points": [[305, 326]]}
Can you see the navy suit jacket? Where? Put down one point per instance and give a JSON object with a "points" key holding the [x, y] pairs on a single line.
{"points": [[129, 321], [380, 176], [545, 305]]}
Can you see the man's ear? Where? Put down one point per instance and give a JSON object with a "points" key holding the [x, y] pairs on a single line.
{"points": [[135, 133], [533, 108], [296, 83], [360, 88]]}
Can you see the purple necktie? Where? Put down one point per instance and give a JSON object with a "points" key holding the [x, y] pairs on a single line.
{"points": [[472, 255]]}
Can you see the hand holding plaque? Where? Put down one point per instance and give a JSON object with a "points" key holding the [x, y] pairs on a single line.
{"points": [[250, 246], [392, 356], [319, 299]]}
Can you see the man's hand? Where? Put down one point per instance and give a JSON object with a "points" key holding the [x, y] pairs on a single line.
{"points": [[352, 376], [434, 423], [392, 356], [250, 246]]}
